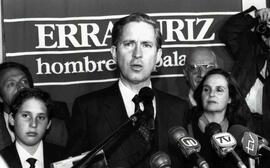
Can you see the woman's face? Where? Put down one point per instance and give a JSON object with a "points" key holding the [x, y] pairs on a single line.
{"points": [[215, 94]]}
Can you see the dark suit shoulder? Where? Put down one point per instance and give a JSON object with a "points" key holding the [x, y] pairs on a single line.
{"points": [[109, 91], [169, 97], [11, 156], [53, 152]]}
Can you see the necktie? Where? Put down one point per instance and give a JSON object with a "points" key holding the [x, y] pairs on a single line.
{"points": [[145, 127], [5, 139], [32, 162]]}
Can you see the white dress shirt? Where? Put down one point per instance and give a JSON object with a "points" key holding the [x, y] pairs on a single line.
{"points": [[254, 97], [24, 155], [3, 163]]}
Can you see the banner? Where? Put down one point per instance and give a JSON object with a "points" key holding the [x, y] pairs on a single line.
{"points": [[66, 43]]}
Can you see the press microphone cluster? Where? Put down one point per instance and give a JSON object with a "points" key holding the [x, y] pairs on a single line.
{"points": [[223, 142], [253, 144], [160, 160], [188, 146]]}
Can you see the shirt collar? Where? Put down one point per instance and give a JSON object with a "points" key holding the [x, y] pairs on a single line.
{"points": [[24, 154], [128, 94]]}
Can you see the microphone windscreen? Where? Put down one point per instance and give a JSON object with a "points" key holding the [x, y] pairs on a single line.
{"points": [[175, 133], [238, 131], [212, 128], [146, 94], [160, 160]]}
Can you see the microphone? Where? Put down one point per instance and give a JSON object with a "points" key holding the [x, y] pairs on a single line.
{"points": [[188, 145], [252, 144], [160, 160], [145, 96], [223, 142]]}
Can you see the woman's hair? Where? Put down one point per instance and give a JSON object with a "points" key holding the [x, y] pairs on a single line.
{"points": [[237, 111], [28, 93]]}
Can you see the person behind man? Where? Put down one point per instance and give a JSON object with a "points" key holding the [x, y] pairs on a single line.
{"points": [[14, 77], [30, 117], [249, 47], [136, 48], [198, 63], [250, 51]]}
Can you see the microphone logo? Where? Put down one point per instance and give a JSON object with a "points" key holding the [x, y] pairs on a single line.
{"points": [[250, 143], [224, 139], [189, 142]]}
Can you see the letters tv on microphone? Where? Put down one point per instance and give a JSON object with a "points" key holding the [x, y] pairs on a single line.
{"points": [[225, 141]]}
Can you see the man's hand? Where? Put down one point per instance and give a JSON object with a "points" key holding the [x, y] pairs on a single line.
{"points": [[263, 15]]}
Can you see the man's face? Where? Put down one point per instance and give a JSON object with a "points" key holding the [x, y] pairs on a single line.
{"points": [[199, 64], [215, 94], [30, 122], [11, 82], [136, 53]]}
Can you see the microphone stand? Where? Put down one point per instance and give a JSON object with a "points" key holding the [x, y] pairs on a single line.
{"points": [[86, 160]]}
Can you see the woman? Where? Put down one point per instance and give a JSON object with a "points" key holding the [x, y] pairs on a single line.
{"points": [[219, 100]]}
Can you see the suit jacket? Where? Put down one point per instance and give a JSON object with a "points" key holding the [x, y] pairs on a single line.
{"points": [[57, 134], [96, 115], [52, 153]]}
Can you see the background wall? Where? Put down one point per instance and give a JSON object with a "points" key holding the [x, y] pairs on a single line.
{"points": [[66, 43]]}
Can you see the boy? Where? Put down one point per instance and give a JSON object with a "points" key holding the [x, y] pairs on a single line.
{"points": [[30, 117]]}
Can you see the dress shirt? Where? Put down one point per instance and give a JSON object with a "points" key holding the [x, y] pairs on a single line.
{"points": [[127, 95], [3, 163], [24, 155], [254, 97]]}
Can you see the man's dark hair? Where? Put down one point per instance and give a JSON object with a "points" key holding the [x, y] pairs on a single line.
{"points": [[28, 93], [134, 17], [9, 65]]}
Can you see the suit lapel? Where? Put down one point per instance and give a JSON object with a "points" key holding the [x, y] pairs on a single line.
{"points": [[114, 108], [11, 156]]}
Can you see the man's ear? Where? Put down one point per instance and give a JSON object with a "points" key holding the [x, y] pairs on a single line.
{"points": [[185, 71], [159, 54], [11, 119], [49, 124], [113, 52], [230, 100]]}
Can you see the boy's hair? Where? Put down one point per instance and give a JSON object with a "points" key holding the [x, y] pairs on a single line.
{"points": [[15, 65], [28, 93]]}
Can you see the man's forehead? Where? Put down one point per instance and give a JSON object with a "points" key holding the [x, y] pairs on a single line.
{"points": [[203, 57], [12, 72]]}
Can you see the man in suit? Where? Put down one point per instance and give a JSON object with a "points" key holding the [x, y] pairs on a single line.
{"points": [[30, 117], [249, 47], [14, 77], [136, 48]]}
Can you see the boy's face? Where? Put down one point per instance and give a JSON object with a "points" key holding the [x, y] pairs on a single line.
{"points": [[30, 122]]}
